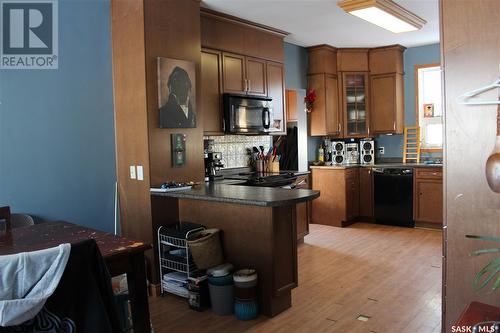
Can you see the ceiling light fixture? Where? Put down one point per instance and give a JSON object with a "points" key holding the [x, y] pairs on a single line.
{"points": [[385, 13]]}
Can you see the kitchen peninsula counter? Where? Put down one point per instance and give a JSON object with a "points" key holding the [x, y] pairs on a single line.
{"points": [[259, 230], [227, 191]]}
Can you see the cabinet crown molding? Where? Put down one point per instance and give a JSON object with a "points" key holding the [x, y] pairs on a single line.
{"points": [[322, 47], [387, 47], [206, 12]]}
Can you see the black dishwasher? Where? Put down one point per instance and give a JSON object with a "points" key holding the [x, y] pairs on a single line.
{"points": [[393, 196]]}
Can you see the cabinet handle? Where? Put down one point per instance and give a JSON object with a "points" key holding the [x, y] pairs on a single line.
{"points": [[339, 127], [248, 85], [394, 125], [245, 85]]}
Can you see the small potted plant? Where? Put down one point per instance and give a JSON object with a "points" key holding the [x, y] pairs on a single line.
{"points": [[489, 274], [309, 100]]}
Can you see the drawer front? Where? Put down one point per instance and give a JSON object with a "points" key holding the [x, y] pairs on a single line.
{"points": [[429, 173]]}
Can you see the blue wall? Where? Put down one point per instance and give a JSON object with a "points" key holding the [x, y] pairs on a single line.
{"points": [[57, 151], [296, 78], [295, 67], [420, 55]]}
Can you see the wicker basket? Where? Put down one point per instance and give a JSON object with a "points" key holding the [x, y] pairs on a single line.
{"points": [[206, 250]]}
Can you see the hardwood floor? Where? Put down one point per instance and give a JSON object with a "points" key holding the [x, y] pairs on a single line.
{"points": [[391, 275]]}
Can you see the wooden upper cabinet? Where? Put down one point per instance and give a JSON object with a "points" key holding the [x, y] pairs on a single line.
{"points": [[322, 77], [211, 92], [324, 118], [233, 73], [275, 74], [317, 117], [322, 60], [352, 60], [387, 103], [244, 75], [428, 196], [355, 104], [387, 89], [387, 59], [333, 125], [291, 105], [255, 76], [231, 34]]}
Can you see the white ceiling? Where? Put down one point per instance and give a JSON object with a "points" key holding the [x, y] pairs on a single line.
{"points": [[312, 22]]}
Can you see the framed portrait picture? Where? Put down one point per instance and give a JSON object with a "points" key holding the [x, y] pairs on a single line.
{"points": [[176, 93], [428, 110]]}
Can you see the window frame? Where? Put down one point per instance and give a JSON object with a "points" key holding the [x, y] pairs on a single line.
{"points": [[417, 115]]}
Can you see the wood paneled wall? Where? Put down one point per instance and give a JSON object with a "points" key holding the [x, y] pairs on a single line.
{"points": [[131, 128], [141, 32], [172, 30], [471, 55]]}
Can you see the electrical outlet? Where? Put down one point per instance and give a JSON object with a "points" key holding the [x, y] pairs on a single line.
{"points": [[140, 173], [132, 172], [381, 150]]}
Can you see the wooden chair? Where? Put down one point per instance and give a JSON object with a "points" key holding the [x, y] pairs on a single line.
{"points": [[5, 216]]}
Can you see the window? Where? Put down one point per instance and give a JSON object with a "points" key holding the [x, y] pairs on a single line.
{"points": [[429, 106]]}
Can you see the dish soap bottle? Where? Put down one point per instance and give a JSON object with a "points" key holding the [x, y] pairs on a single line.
{"points": [[321, 154]]}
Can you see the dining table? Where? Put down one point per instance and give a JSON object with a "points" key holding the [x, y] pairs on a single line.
{"points": [[121, 255]]}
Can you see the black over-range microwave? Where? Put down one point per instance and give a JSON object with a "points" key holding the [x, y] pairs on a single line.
{"points": [[245, 114]]}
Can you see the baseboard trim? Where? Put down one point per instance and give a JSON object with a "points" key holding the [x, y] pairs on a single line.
{"points": [[428, 225]]}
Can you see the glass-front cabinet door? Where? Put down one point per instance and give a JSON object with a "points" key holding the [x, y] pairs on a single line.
{"points": [[355, 104]]}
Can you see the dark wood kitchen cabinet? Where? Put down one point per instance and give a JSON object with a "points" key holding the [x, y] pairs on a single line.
{"points": [[303, 210], [303, 217], [428, 197], [239, 74], [355, 104], [211, 92], [387, 89], [275, 74], [338, 204], [291, 105], [255, 70], [352, 194], [325, 116], [366, 193], [234, 80], [352, 64], [243, 75], [387, 103], [252, 57]]}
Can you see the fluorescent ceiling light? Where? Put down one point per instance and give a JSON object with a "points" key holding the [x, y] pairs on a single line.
{"points": [[384, 13]]}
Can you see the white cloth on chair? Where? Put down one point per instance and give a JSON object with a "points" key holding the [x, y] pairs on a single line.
{"points": [[27, 280]]}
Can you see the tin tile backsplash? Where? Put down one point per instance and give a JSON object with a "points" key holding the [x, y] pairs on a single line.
{"points": [[234, 148]]}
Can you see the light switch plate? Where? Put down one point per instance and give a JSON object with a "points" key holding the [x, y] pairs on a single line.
{"points": [[132, 172], [381, 150], [140, 173]]}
